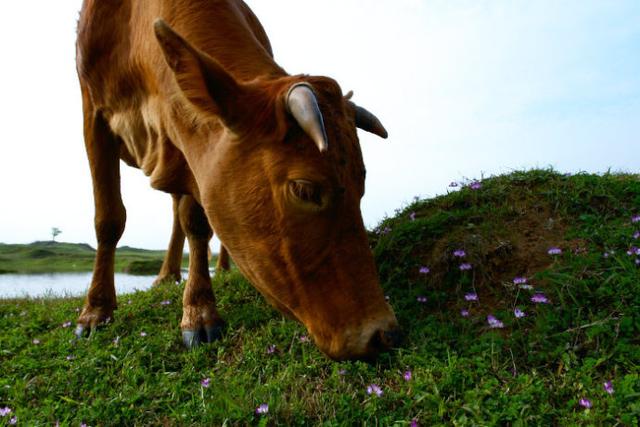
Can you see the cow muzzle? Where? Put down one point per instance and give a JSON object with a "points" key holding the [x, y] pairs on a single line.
{"points": [[365, 342]]}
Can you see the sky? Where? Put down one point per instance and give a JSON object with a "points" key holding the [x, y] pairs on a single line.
{"points": [[466, 89]]}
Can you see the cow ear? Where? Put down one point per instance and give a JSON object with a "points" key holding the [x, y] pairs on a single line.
{"points": [[203, 81]]}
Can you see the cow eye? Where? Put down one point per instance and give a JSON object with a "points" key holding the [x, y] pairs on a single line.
{"points": [[307, 192]]}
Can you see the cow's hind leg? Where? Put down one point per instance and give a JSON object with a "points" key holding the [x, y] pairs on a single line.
{"points": [[223, 260], [172, 263], [110, 216], [200, 319]]}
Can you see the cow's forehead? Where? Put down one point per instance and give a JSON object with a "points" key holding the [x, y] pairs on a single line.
{"points": [[342, 164]]}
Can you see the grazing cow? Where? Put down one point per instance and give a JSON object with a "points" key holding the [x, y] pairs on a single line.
{"points": [[188, 92]]}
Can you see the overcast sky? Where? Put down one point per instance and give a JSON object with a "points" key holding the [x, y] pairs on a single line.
{"points": [[465, 88]]}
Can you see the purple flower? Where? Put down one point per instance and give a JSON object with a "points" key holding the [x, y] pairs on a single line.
{"points": [[554, 251], [539, 299], [453, 184], [421, 299], [36, 341], [83, 425], [471, 296], [414, 423], [342, 372], [412, 216], [407, 376], [143, 334], [13, 421], [606, 254], [465, 266], [205, 382], [519, 280], [636, 235], [494, 322], [165, 302], [386, 230], [374, 389], [475, 185], [637, 261], [424, 270], [5, 411], [66, 324], [271, 349], [519, 313], [635, 218], [303, 338], [262, 409], [464, 312], [608, 387], [585, 403], [459, 253], [633, 251]]}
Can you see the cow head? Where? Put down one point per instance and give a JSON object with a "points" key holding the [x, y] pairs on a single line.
{"points": [[280, 175]]}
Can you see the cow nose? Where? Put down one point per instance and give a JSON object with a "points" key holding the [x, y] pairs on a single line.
{"points": [[386, 339], [392, 338]]}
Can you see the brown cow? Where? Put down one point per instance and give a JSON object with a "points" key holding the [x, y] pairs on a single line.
{"points": [[188, 91]]}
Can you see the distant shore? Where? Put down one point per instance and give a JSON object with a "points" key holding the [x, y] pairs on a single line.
{"points": [[52, 257]]}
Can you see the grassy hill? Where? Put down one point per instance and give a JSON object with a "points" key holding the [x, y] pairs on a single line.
{"points": [[468, 359], [49, 256]]}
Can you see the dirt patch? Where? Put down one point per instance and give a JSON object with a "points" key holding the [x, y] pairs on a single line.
{"points": [[499, 249]]}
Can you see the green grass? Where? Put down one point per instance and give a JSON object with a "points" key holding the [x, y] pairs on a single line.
{"points": [[531, 372], [49, 256]]}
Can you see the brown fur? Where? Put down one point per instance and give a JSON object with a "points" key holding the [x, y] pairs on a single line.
{"points": [[202, 112]]}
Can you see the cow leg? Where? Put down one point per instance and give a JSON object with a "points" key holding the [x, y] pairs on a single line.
{"points": [[110, 216], [223, 259], [172, 264], [200, 319]]}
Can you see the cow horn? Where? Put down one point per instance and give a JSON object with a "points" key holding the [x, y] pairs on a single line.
{"points": [[365, 120], [303, 106]]}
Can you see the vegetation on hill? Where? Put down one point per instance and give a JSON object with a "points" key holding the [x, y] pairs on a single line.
{"points": [[50, 257], [519, 295]]}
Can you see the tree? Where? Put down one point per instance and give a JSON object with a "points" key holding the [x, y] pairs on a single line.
{"points": [[54, 232]]}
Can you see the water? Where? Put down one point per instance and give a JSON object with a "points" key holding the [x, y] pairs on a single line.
{"points": [[64, 284]]}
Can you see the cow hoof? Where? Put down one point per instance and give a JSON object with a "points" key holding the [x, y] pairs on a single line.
{"points": [[90, 319], [171, 278], [81, 331], [206, 334]]}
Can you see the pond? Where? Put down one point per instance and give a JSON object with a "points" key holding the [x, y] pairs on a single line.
{"points": [[64, 284]]}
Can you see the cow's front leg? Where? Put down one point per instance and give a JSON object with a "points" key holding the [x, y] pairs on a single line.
{"points": [[172, 264], [110, 216], [200, 319]]}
